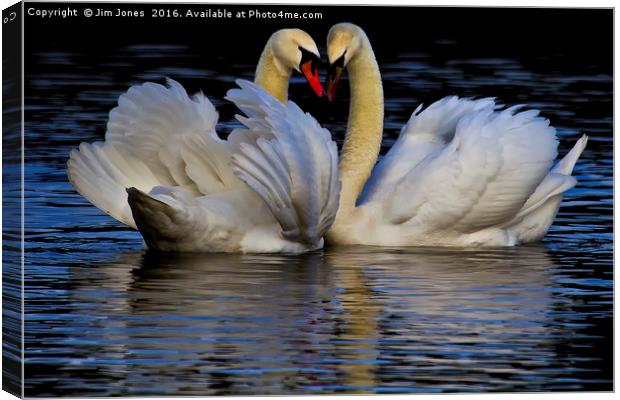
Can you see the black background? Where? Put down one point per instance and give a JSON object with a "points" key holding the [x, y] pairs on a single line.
{"points": [[572, 41], [580, 35]]}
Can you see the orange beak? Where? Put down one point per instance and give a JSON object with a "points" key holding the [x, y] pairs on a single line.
{"points": [[312, 76]]}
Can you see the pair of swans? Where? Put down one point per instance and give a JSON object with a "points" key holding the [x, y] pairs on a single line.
{"points": [[462, 173]]}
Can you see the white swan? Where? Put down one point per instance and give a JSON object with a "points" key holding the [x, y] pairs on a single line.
{"points": [[162, 169], [462, 172]]}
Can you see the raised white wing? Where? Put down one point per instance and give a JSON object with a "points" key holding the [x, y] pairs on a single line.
{"points": [[482, 177], [152, 121], [425, 132], [157, 136], [288, 160]]}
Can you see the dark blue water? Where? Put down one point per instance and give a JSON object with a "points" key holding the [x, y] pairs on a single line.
{"points": [[105, 317]]}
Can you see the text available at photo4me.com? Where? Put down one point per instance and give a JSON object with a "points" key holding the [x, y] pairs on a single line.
{"points": [[168, 12]]}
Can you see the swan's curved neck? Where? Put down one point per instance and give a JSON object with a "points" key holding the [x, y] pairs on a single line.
{"points": [[365, 127], [271, 75]]}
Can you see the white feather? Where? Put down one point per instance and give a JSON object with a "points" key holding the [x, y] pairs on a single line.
{"points": [[464, 172], [278, 146]]}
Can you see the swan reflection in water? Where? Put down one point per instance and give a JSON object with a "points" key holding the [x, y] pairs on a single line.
{"points": [[350, 319]]}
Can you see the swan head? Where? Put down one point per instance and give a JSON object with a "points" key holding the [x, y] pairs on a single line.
{"points": [[295, 50], [344, 41]]}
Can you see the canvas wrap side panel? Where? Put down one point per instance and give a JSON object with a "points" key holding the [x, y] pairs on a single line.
{"points": [[12, 216]]}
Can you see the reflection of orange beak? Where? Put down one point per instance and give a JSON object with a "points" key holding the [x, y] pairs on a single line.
{"points": [[333, 79], [312, 76]]}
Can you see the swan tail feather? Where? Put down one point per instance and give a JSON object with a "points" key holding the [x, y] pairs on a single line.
{"points": [[535, 218], [567, 163], [159, 217], [289, 161]]}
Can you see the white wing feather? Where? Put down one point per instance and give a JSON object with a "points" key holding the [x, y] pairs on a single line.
{"points": [[100, 172], [483, 177], [424, 133], [288, 160], [157, 136]]}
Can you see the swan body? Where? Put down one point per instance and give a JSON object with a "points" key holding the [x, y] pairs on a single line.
{"points": [[462, 173], [272, 186]]}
